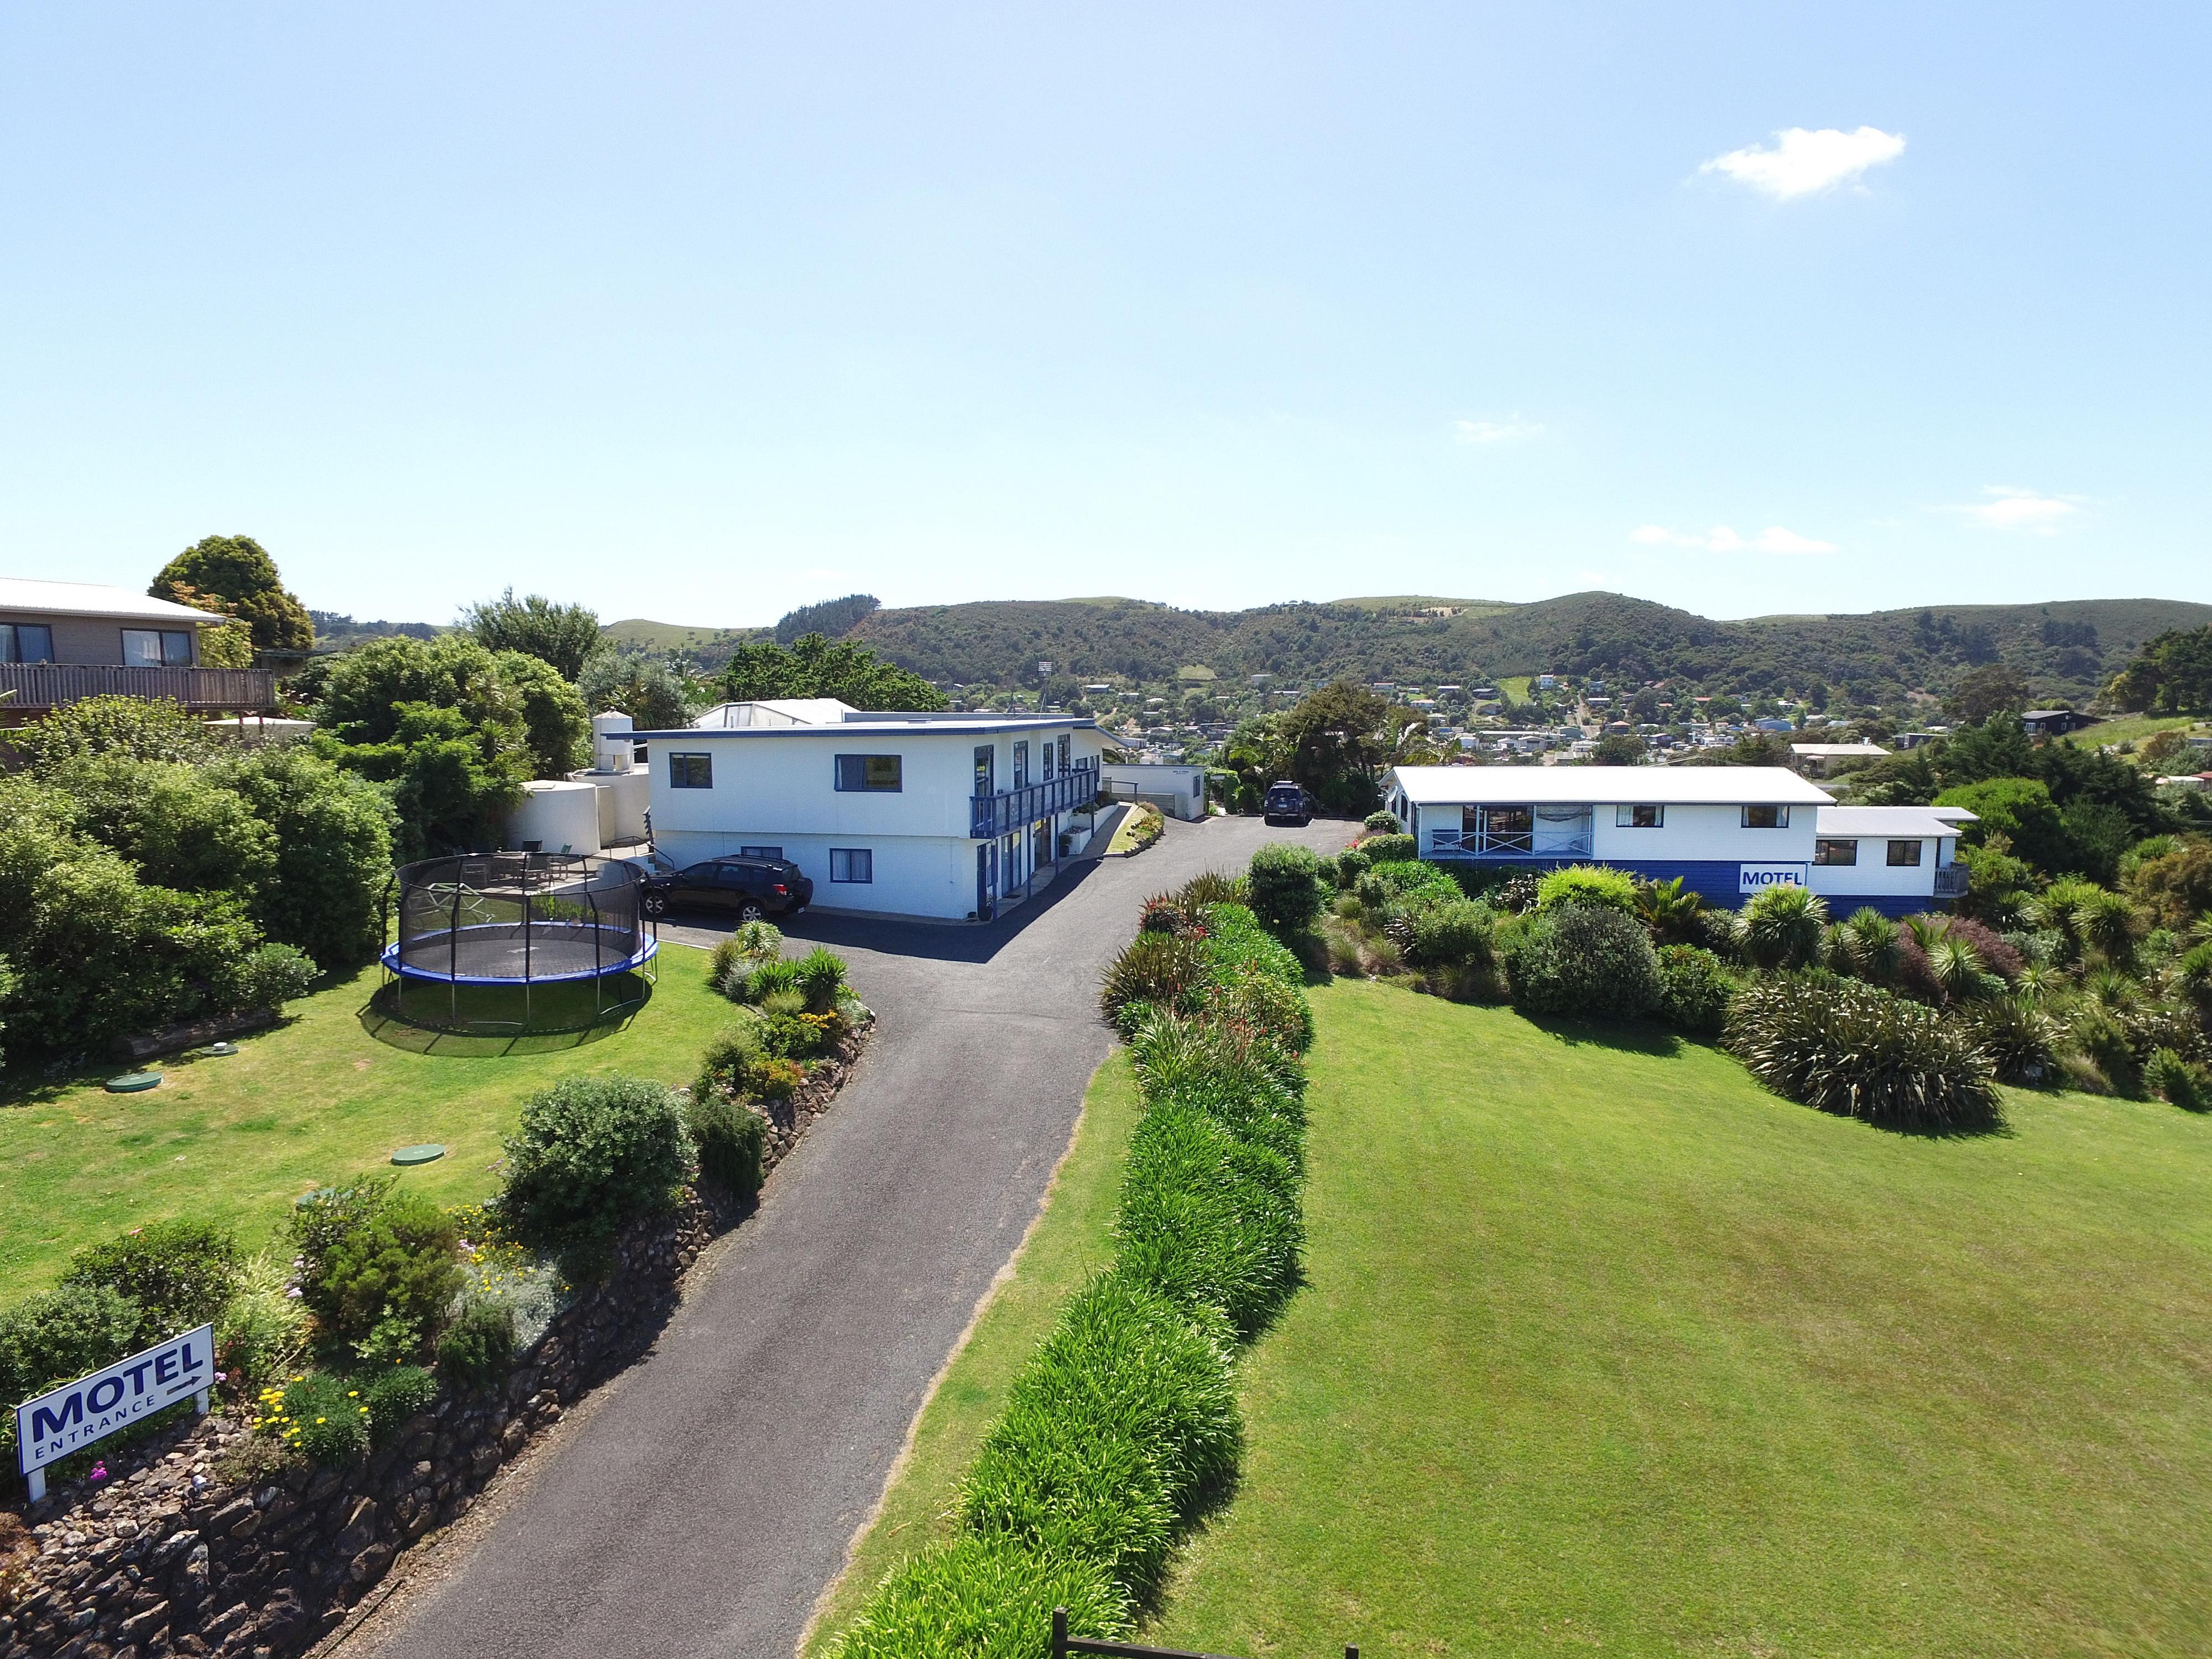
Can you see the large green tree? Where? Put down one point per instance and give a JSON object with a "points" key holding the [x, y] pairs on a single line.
{"points": [[816, 667], [1338, 740], [654, 694], [565, 636], [234, 575], [2171, 675]]}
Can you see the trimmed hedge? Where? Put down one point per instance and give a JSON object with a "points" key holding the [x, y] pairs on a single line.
{"points": [[1124, 1420]]}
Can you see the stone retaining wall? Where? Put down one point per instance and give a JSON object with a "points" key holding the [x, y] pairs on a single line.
{"points": [[171, 1555]]}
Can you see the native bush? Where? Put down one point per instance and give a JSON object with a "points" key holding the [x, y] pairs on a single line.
{"points": [[1695, 988], [1207, 1218], [179, 1273], [1351, 864], [263, 1327], [1382, 823], [60, 1335], [1236, 945], [394, 1396], [1585, 960], [2192, 977], [1286, 888], [1999, 955], [1391, 849], [768, 979], [1276, 1011], [1112, 1431], [1409, 882], [2166, 1075], [984, 1596], [1156, 968], [820, 975], [1455, 933], [1588, 883], [778, 1080], [1214, 887], [1669, 909], [729, 1138], [269, 976], [478, 1347], [2022, 1040], [591, 1155], [2096, 1034], [321, 1415], [1782, 928], [1856, 1050], [378, 1269], [733, 1055]]}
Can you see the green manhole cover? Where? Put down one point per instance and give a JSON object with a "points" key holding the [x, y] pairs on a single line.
{"points": [[318, 1196], [220, 1048], [132, 1082], [428, 1152]]}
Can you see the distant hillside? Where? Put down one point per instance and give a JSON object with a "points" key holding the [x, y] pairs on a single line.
{"points": [[2065, 648], [709, 648]]}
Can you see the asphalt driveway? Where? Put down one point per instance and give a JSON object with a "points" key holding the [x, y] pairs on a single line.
{"points": [[703, 1504]]}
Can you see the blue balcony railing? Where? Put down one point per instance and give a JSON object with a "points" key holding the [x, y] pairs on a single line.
{"points": [[992, 816]]}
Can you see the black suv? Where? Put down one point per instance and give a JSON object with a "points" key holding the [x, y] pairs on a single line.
{"points": [[749, 889], [1288, 804]]}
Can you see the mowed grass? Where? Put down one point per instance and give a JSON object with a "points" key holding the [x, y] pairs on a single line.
{"points": [[1070, 1241], [2131, 728], [313, 1103], [1604, 1350]]}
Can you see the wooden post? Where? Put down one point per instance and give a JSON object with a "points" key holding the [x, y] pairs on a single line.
{"points": [[1060, 1633]]}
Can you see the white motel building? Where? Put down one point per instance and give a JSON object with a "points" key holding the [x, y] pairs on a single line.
{"points": [[942, 815], [1729, 832]]}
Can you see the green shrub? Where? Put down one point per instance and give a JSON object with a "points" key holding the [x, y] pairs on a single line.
{"points": [[1782, 928], [1585, 960], [1156, 968], [179, 1274], [2192, 977], [269, 976], [983, 1597], [1588, 883], [1867, 947], [2022, 1040], [1857, 1051], [57, 1337], [729, 1139], [768, 979], [1351, 864], [820, 975], [778, 1080], [1237, 945], [1113, 1429], [1214, 887], [1391, 849], [1207, 1218], [1278, 1011], [1409, 880], [2096, 1034], [1695, 988], [1382, 823], [396, 1395], [732, 1056], [478, 1347], [322, 1416], [1286, 887], [1670, 910], [2166, 1075], [749, 945], [379, 1283], [592, 1154], [1456, 933], [263, 1328]]}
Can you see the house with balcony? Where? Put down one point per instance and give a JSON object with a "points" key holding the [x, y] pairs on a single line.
{"points": [[950, 817], [64, 641], [1728, 832]]}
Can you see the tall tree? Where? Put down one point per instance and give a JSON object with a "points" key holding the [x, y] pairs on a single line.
{"points": [[565, 636], [1338, 743], [2171, 675], [814, 667], [1995, 688], [832, 619], [234, 576]]}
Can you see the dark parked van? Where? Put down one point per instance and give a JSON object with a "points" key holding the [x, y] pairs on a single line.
{"points": [[1286, 803]]}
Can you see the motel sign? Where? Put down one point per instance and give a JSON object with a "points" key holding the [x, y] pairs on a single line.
{"points": [[74, 1416]]}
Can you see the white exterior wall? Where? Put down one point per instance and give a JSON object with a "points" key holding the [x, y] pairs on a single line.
{"points": [[1874, 877], [776, 786], [1709, 833]]}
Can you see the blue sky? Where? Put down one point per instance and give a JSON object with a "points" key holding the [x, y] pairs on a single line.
{"points": [[700, 312]]}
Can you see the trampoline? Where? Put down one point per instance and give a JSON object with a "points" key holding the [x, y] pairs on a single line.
{"points": [[510, 921]]}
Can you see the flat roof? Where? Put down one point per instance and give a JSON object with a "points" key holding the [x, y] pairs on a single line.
{"points": [[908, 725], [96, 600], [1653, 786], [1831, 751], [1904, 822]]}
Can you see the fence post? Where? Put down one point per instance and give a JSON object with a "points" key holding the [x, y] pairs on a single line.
{"points": [[1350, 1651], [1060, 1633]]}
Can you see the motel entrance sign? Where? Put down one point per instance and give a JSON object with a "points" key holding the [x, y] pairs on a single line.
{"points": [[78, 1414]]}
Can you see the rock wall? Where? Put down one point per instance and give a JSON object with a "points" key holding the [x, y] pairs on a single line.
{"points": [[171, 1555]]}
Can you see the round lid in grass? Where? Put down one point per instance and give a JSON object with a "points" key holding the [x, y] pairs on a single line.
{"points": [[220, 1048], [131, 1083], [428, 1152]]}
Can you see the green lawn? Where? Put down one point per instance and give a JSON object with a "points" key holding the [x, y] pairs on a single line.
{"points": [[1604, 1350], [317, 1100], [1068, 1244], [2130, 728]]}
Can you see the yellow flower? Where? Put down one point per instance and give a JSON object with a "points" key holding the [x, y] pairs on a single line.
{"points": [[322, 1419]]}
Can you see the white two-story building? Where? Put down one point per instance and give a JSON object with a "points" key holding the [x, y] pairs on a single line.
{"points": [[1729, 832], [943, 816]]}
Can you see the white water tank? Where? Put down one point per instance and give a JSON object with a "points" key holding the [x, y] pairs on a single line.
{"points": [[555, 818], [612, 743]]}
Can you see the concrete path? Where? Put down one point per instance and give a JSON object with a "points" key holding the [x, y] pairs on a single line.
{"points": [[702, 1504]]}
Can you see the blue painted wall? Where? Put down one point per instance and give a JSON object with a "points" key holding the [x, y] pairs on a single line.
{"points": [[1714, 880]]}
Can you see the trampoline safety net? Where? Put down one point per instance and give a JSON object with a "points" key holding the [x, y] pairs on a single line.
{"points": [[519, 918]]}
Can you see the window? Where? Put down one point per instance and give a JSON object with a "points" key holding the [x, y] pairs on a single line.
{"points": [[1905, 852], [1047, 758], [1640, 818], [1063, 757], [760, 852], [1766, 818], [852, 863], [1022, 764], [690, 771], [869, 773], [986, 770], [1835, 852], [152, 647], [26, 642]]}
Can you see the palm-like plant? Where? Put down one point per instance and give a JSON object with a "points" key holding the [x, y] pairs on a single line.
{"points": [[2110, 926], [1781, 927], [2059, 908], [1870, 940], [1960, 972], [2192, 976], [1669, 909]]}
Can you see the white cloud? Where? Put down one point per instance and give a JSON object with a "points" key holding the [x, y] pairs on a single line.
{"points": [[1800, 163], [1775, 538], [1494, 432], [2007, 506]]}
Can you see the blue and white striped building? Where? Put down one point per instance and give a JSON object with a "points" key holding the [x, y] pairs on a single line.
{"points": [[1729, 832]]}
